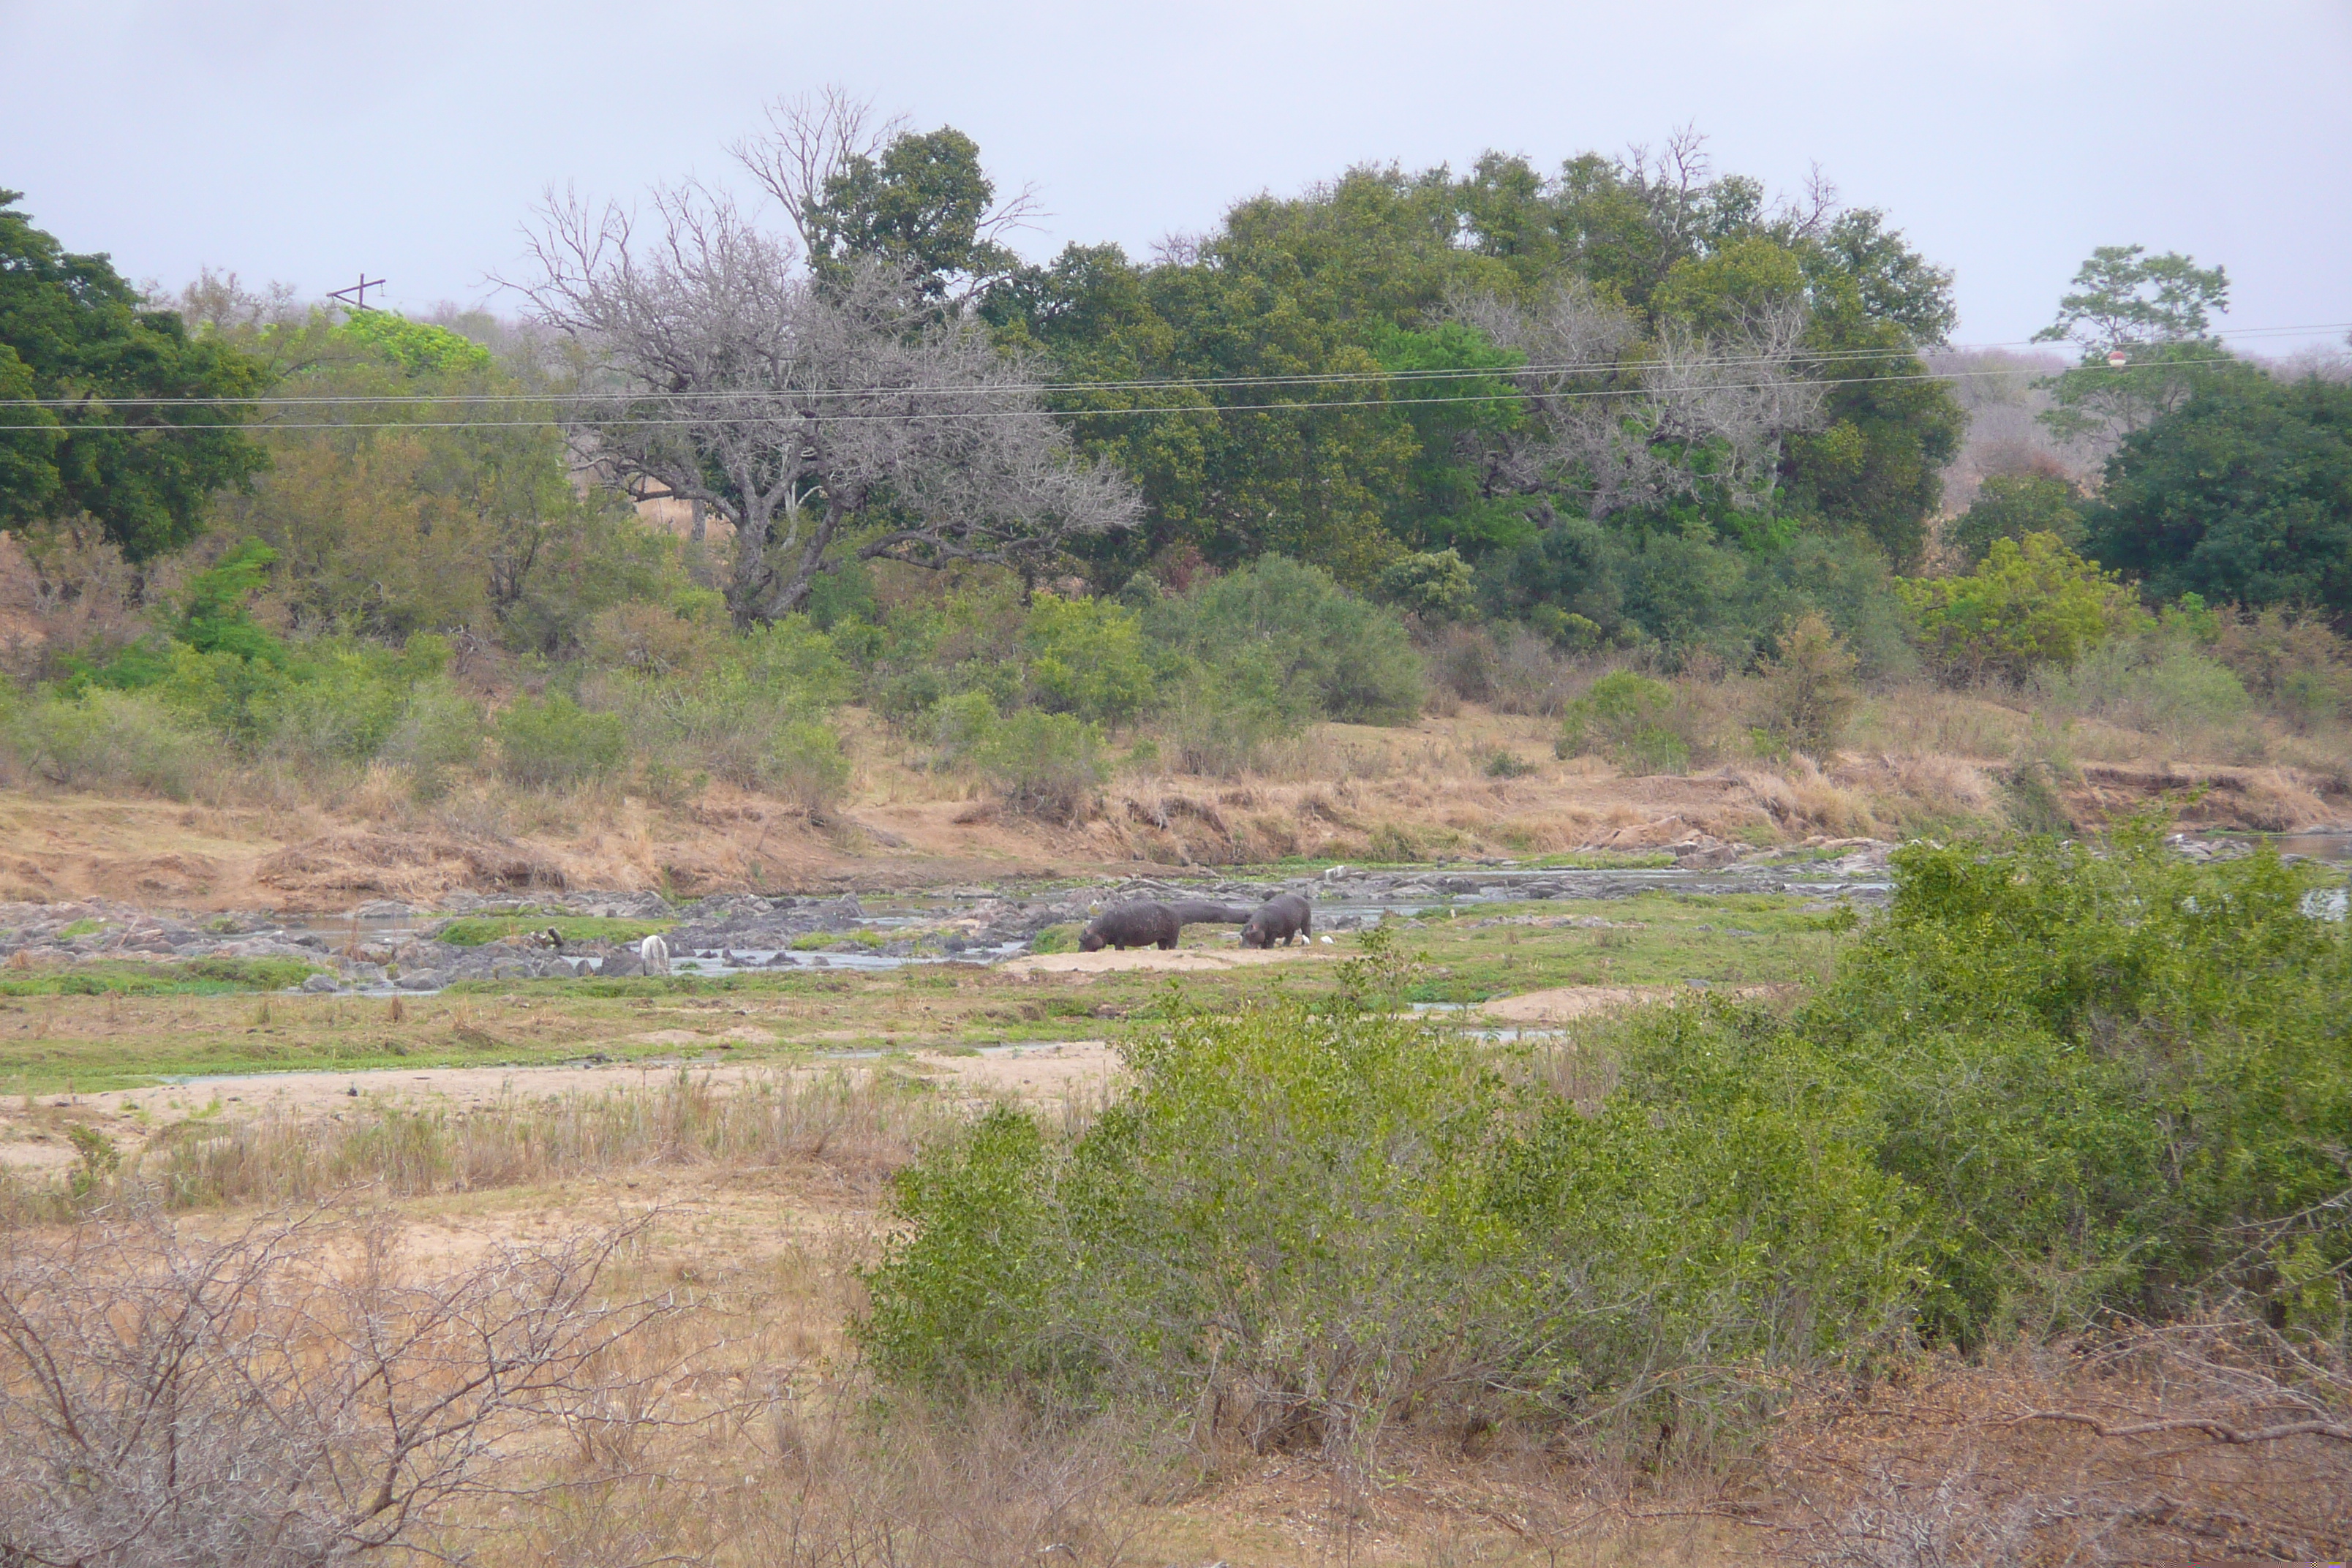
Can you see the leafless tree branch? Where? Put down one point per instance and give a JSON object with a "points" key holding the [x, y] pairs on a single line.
{"points": [[284, 1396], [797, 412]]}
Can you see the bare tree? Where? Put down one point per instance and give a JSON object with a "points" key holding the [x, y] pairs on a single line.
{"points": [[796, 411], [811, 144], [1627, 422], [282, 1398]]}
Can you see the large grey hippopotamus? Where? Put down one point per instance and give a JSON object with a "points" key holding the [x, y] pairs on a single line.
{"points": [[1201, 912], [1122, 926], [1279, 920]]}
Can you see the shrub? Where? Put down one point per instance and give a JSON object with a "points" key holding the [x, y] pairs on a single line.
{"points": [[1463, 660], [553, 741], [2295, 664], [2009, 507], [2158, 682], [2115, 1080], [2033, 603], [1313, 1223], [1087, 657], [1436, 584], [1044, 765], [1636, 723], [440, 729], [1808, 692], [960, 726], [1530, 675], [105, 739], [1221, 722], [806, 765], [1332, 655]]}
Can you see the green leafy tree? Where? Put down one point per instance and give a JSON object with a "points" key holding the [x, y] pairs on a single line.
{"points": [[74, 334], [2033, 602], [2010, 506], [922, 206], [2242, 495], [2155, 310]]}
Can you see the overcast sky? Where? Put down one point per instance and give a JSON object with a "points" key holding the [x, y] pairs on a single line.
{"points": [[303, 142]]}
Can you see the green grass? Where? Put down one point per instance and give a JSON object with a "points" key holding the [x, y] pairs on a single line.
{"points": [[193, 978], [158, 1021], [80, 928], [808, 941], [1057, 939], [472, 930]]}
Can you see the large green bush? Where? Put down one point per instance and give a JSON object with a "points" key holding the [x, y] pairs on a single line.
{"points": [[1087, 657], [1643, 725], [1333, 656], [1315, 1223], [2031, 605], [2112, 1079], [2053, 1081]]}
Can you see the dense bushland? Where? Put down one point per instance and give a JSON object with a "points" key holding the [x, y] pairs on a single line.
{"points": [[2053, 1085]]}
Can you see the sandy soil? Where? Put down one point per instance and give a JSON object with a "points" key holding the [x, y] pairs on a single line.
{"points": [[1565, 1002]]}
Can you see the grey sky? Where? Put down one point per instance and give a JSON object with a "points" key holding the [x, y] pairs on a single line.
{"points": [[305, 142]]}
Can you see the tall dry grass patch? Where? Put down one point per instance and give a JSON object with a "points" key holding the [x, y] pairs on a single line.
{"points": [[857, 1128]]}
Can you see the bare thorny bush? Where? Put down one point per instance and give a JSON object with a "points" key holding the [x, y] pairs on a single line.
{"points": [[2180, 1442], [293, 1393]]}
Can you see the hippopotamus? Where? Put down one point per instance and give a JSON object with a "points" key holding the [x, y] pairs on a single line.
{"points": [[1201, 913], [1279, 918], [1122, 926]]}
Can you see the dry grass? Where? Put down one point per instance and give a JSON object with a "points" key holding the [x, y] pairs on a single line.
{"points": [[854, 1128]]}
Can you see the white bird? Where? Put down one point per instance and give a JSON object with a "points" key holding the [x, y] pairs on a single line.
{"points": [[654, 954]]}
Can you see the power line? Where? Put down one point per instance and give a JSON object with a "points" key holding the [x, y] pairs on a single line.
{"points": [[1194, 409], [1174, 384]]}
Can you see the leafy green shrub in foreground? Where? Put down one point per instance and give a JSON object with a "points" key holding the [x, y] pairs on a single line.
{"points": [[2113, 1081], [1333, 1218], [2050, 1083]]}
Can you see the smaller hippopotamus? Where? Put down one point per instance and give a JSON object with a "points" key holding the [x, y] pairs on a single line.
{"points": [[1122, 926], [1201, 913], [1279, 920]]}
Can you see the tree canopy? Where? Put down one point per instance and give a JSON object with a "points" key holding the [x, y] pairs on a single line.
{"points": [[110, 435], [2242, 494]]}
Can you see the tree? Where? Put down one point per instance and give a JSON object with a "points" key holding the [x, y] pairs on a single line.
{"points": [[800, 411], [137, 422], [393, 517], [917, 204], [2010, 506], [2243, 494], [2155, 310], [2033, 602], [1619, 424]]}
